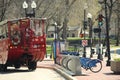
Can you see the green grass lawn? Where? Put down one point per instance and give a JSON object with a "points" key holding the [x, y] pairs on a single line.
{"points": [[72, 48]]}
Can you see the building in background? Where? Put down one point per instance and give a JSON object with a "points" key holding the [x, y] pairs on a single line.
{"points": [[71, 32]]}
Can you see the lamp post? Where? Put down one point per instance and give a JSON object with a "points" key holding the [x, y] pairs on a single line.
{"points": [[84, 24], [55, 42], [89, 16], [55, 24], [100, 23], [25, 6], [33, 6], [107, 33]]}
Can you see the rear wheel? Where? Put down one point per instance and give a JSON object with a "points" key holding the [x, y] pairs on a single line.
{"points": [[32, 65], [17, 65], [95, 67]]}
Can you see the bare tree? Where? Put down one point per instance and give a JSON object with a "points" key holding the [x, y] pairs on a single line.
{"points": [[68, 5], [117, 12], [3, 8], [109, 6], [64, 12]]}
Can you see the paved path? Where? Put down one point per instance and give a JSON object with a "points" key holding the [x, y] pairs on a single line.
{"points": [[104, 74], [43, 72], [38, 74]]}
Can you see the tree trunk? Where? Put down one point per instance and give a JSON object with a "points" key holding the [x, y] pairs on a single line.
{"points": [[65, 21], [118, 33]]}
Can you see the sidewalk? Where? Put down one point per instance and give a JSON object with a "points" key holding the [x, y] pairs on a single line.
{"points": [[104, 74]]}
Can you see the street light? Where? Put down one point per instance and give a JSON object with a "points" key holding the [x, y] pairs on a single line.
{"points": [[107, 33], [55, 42], [85, 7], [89, 16], [55, 24], [100, 19], [25, 6], [33, 6]]}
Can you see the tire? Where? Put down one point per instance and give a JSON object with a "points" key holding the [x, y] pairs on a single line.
{"points": [[67, 65], [95, 65], [62, 62], [32, 65], [3, 67], [17, 65]]}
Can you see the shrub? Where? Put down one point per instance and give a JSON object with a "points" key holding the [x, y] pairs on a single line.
{"points": [[117, 59]]}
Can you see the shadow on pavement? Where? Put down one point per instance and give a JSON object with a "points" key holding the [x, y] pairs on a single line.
{"points": [[9, 71], [112, 73]]}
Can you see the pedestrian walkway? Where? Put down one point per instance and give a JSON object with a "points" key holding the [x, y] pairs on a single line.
{"points": [[104, 74], [49, 64]]}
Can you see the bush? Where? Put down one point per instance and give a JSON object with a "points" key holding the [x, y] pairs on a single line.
{"points": [[117, 59]]}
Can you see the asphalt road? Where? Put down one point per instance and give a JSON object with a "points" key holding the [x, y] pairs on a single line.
{"points": [[23, 74]]}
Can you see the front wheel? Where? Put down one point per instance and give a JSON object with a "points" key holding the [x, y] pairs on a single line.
{"points": [[32, 65], [95, 66], [3, 67]]}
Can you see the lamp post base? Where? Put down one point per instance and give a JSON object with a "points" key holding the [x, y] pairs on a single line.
{"points": [[100, 56], [91, 53], [106, 55], [108, 63]]}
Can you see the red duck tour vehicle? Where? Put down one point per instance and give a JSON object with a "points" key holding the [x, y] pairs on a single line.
{"points": [[22, 43]]}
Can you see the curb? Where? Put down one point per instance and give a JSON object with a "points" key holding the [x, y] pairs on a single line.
{"points": [[65, 75], [62, 73]]}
